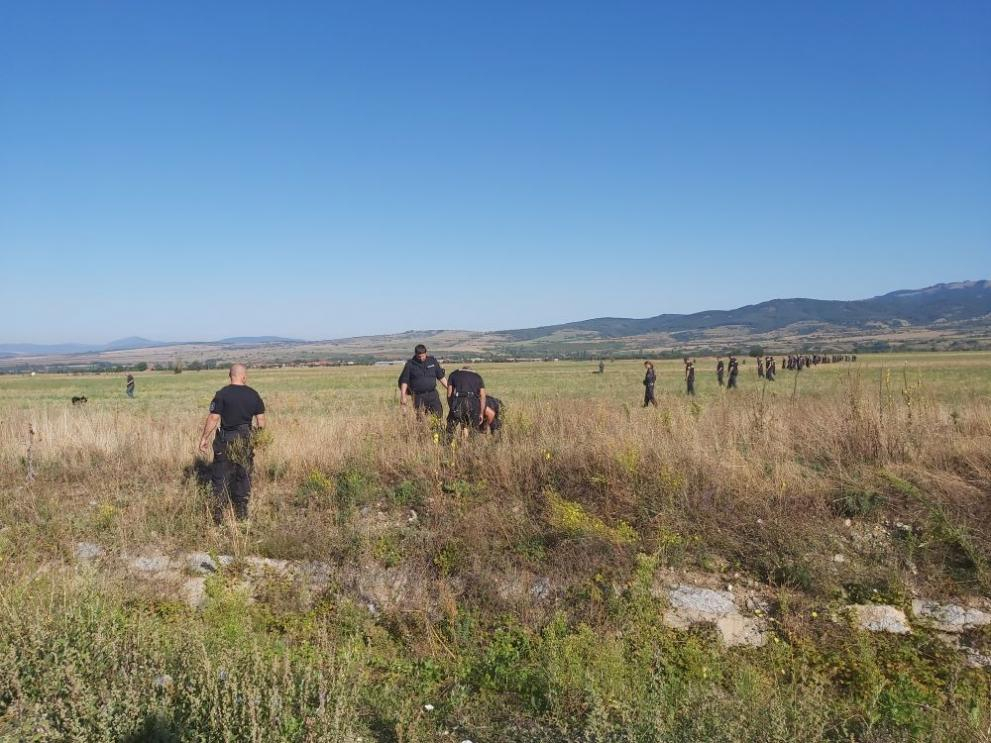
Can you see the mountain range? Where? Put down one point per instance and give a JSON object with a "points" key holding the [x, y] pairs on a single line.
{"points": [[953, 315]]}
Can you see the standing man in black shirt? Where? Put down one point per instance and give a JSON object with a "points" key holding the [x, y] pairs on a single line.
{"points": [[420, 377], [465, 399], [649, 379], [233, 408]]}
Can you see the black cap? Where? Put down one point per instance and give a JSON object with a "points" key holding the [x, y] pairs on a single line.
{"points": [[420, 348]]}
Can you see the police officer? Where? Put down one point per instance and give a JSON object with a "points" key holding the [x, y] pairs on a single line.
{"points": [[466, 400], [734, 370], [130, 385], [649, 379], [690, 377], [420, 377], [492, 416], [233, 408], [720, 368]]}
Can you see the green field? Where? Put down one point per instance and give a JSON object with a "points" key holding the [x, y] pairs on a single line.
{"points": [[516, 585]]}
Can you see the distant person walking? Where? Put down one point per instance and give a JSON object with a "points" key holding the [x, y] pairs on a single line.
{"points": [[760, 367], [130, 385], [690, 377], [720, 369], [232, 409], [419, 378], [649, 379], [602, 366], [734, 370], [465, 400]]}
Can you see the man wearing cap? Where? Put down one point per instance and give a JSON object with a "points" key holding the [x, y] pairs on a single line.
{"points": [[419, 378]]}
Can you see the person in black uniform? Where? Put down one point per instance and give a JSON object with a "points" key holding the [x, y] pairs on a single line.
{"points": [[466, 400], [232, 409], [734, 370], [690, 377], [649, 379], [420, 377], [130, 385], [720, 368]]}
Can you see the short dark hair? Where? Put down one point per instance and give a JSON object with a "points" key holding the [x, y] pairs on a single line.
{"points": [[420, 348]]}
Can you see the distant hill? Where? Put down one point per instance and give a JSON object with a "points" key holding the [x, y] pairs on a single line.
{"points": [[259, 340], [129, 344], [954, 316], [134, 341], [939, 304]]}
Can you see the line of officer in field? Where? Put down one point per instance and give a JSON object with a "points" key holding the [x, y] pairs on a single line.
{"points": [[237, 411]]}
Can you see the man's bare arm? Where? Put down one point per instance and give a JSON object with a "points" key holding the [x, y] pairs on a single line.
{"points": [[481, 402], [403, 391], [212, 421], [443, 381], [260, 420]]}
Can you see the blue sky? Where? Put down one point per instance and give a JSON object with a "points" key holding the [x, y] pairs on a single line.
{"points": [[197, 170]]}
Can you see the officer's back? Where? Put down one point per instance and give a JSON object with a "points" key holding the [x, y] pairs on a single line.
{"points": [[236, 404]]}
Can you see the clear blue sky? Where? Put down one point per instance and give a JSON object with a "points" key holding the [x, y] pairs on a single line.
{"points": [[185, 170]]}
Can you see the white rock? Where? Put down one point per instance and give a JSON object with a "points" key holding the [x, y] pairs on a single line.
{"points": [[702, 602], [691, 606], [268, 564], [847, 522], [428, 707], [949, 617], [200, 562], [150, 564], [193, 592], [839, 558], [880, 618], [540, 589], [86, 551]]}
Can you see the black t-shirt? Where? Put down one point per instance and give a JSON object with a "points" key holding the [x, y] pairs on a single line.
{"points": [[421, 376], [466, 382], [236, 404]]}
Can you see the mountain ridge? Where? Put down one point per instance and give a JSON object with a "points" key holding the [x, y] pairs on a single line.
{"points": [[957, 313]]}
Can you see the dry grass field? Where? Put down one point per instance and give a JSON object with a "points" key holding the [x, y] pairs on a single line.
{"points": [[499, 589]]}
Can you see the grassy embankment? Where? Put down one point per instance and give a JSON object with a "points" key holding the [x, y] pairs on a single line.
{"points": [[584, 489]]}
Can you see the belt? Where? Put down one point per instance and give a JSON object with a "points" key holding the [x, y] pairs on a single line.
{"points": [[465, 394], [426, 392]]}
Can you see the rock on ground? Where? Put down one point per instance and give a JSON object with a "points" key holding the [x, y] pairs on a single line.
{"points": [[949, 617], [880, 618], [691, 605]]}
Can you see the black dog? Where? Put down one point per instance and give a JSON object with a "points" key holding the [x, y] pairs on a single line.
{"points": [[79, 400]]}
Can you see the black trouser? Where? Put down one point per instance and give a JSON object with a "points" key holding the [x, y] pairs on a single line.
{"points": [[732, 382], [233, 461], [428, 401], [648, 396], [691, 386], [465, 411]]}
